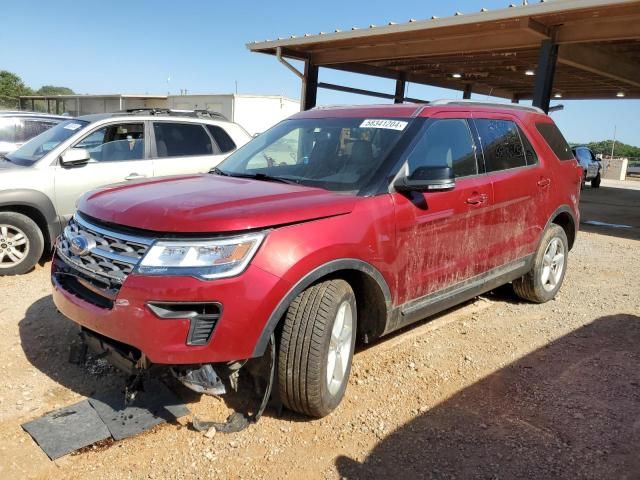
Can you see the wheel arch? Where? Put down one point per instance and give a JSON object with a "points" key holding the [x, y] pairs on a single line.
{"points": [[565, 218], [35, 205], [373, 297]]}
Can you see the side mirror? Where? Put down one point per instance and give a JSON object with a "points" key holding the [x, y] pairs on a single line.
{"points": [[75, 157], [427, 179]]}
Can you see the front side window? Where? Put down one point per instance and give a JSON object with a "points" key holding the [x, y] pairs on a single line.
{"points": [[113, 143], [338, 154], [181, 140], [39, 146], [584, 156], [446, 143], [501, 144]]}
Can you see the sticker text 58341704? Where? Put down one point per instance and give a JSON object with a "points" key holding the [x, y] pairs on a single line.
{"points": [[384, 123]]}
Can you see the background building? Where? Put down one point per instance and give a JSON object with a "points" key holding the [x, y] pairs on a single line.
{"points": [[255, 113]]}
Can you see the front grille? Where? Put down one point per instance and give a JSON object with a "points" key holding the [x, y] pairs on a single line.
{"points": [[96, 274], [112, 255]]}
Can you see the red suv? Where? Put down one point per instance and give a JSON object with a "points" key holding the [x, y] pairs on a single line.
{"points": [[336, 224]]}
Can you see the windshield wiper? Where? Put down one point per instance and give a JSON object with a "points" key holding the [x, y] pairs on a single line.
{"points": [[254, 176]]}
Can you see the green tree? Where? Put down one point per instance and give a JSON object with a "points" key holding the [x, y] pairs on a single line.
{"points": [[53, 90], [11, 87]]}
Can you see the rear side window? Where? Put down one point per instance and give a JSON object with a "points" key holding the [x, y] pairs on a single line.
{"points": [[181, 140], [222, 138], [555, 140], [502, 144], [446, 143]]}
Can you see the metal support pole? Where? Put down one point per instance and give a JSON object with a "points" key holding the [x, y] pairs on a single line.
{"points": [[467, 92], [309, 94], [545, 74], [400, 88], [515, 99], [33, 105]]}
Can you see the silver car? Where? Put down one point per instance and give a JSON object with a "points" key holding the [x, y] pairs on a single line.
{"points": [[41, 181], [18, 127]]}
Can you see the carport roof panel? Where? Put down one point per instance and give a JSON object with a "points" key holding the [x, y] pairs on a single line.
{"points": [[492, 50]]}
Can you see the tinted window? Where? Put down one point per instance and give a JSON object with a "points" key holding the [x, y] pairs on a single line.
{"points": [[222, 138], [446, 143], [555, 140], [119, 142], [501, 144], [7, 130], [181, 139], [584, 155], [27, 129]]}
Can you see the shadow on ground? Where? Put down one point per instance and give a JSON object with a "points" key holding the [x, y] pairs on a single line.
{"points": [[616, 206], [568, 410], [46, 336]]}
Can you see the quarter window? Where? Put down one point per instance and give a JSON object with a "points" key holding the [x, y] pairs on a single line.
{"points": [[181, 140], [501, 144], [7, 130], [113, 143], [555, 140], [222, 138], [446, 142]]}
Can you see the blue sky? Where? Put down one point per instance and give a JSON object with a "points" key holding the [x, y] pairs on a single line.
{"points": [[126, 46]]}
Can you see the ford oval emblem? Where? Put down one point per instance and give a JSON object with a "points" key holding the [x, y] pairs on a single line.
{"points": [[81, 245]]}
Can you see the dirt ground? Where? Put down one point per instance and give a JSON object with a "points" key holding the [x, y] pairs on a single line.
{"points": [[493, 389]]}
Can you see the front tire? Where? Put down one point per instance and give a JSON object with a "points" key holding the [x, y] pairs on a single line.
{"points": [[595, 183], [316, 348], [545, 278], [21, 243]]}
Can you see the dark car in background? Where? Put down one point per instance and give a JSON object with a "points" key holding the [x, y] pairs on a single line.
{"points": [[17, 127], [591, 166]]}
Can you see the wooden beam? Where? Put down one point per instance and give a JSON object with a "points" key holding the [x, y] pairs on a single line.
{"points": [[493, 41], [600, 29], [542, 31], [599, 61]]}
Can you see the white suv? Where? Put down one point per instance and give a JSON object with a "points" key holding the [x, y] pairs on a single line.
{"points": [[41, 181]]}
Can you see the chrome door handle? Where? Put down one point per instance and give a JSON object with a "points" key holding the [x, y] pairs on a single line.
{"points": [[134, 176]]}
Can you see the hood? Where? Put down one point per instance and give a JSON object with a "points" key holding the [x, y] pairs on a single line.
{"points": [[211, 203], [7, 165]]}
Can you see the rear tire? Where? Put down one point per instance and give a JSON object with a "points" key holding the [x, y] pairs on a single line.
{"points": [[316, 348], [545, 278], [595, 183], [21, 243]]}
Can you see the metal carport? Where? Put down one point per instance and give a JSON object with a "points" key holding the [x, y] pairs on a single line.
{"points": [[572, 49]]}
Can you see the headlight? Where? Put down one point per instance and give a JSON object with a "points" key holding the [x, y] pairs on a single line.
{"points": [[203, 259]]}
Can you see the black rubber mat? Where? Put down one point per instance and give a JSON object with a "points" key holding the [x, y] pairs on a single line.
{"points": [[62, 431], [157, 404], [104, 416]]}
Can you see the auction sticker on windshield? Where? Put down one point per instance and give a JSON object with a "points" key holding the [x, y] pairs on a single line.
{"points": [[388, 124], [72, 126]]}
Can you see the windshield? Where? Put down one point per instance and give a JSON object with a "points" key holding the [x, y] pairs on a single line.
{"points": [[39, 146], [338, 154]]}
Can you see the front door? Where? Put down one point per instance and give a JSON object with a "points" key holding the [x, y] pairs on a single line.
{"points": [[118, 154], [440, 234]]}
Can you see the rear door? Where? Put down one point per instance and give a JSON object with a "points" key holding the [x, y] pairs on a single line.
{"points": [[520, 186], [182, 148], [440, 234], [119, 153]]}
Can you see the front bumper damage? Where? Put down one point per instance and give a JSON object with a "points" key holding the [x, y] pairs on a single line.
{"points": [[254, 378]]}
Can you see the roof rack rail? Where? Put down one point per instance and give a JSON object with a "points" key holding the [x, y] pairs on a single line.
{"points": [[514, 106], [200, 113]]}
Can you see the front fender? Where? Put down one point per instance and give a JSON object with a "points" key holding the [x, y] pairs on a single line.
{"points": [[34, 200]]}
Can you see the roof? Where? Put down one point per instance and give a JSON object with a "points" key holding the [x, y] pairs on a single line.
{"points": [[22, 113], [494, 51], [409, 110]]}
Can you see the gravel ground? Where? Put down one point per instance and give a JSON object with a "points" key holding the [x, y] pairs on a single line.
{"points": [[495, 388]]}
